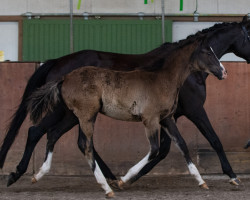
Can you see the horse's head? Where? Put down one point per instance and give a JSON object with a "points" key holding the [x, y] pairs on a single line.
{"points": [[241, 46], [206, 60]]}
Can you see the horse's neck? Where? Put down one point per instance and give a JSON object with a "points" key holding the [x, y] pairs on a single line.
{"points": [[178, 67], [222, 41], [160, 52]]}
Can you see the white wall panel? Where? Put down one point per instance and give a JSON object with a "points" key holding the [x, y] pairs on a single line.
{"points": [[9, 40]]}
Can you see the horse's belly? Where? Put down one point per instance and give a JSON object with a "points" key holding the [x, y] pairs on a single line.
{"points": [[119, 113]]}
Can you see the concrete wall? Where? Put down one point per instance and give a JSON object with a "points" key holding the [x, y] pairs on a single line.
{"points": [[8, 7]]}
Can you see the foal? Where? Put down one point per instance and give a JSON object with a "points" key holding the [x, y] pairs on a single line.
{"points": [[150, 97]]}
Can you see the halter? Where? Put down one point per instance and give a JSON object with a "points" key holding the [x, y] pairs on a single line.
{"points": [[247, 37]]}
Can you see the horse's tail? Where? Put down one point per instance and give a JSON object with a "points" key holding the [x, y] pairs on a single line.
{"points": [[44, 100], [247, 145], [36, 81]]}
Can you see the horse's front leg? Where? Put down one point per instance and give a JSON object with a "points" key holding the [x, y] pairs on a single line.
{"points": [[200, 119], [152, 129], [170, 127]]}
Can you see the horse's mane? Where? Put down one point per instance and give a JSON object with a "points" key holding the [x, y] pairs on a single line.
{"points": [[205, 33]]}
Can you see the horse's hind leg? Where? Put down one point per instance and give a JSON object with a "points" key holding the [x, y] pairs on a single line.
{"points": [[105, 169], [170, 127], [53, 136], [34, 135], [88, 128], [152, 131]]}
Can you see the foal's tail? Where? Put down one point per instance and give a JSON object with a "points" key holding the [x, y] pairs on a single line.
{"points": [[43, 100], [35, 81]]}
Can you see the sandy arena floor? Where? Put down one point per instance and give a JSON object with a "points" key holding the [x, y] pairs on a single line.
{"points": [[155, 187]]}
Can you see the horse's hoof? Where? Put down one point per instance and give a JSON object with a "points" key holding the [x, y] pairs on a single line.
{"points": [[110, 195], [120, 184], [204, 186], [33, 180], [113, 184], [11, 179], [235, 181], [116, 184]]}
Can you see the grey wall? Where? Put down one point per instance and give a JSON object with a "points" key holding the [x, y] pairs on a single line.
{"points": [[11, 7]]}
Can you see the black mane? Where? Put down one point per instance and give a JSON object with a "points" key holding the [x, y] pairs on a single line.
{"points": [[199, 34]]}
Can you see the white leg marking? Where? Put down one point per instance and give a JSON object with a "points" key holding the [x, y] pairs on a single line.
{"points": [[194, 171], [45, 167], [101, 179], [135, 169]]}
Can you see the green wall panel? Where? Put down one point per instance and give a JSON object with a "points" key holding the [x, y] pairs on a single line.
{"points": [[46, 39]]}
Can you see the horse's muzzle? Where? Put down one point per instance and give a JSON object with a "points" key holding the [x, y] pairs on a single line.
{"points": [[224, 74]]}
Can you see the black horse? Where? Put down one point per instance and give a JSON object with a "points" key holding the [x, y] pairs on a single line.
{"points": [[130, 96], [223, 38]]}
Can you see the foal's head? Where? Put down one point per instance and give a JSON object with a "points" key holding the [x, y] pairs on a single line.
{"points": [[204, 59]]}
